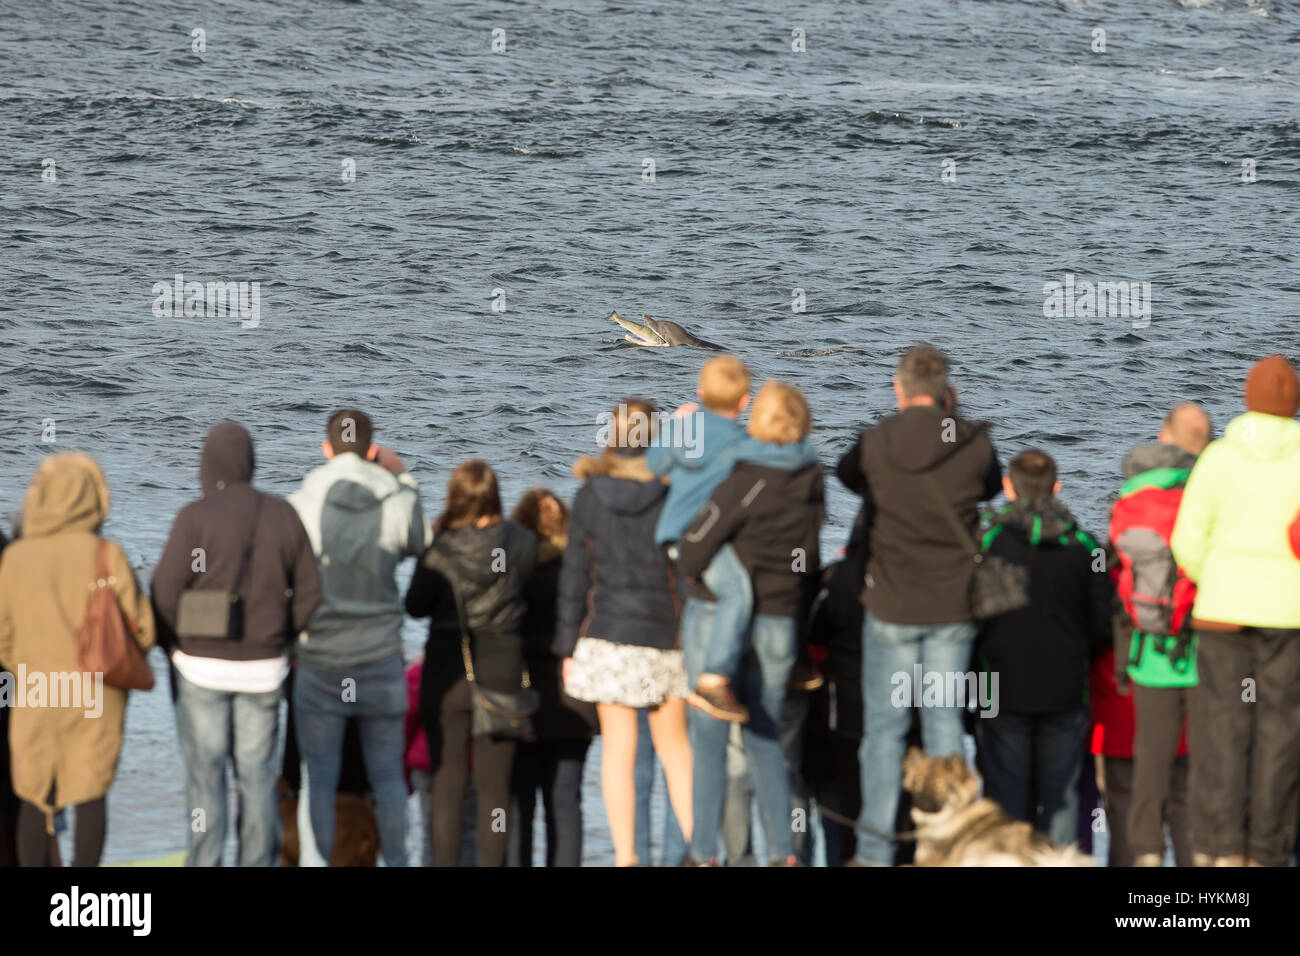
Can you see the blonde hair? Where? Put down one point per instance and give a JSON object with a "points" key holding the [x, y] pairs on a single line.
{"points": [[633, 425], [780, 414], [724, 383]]}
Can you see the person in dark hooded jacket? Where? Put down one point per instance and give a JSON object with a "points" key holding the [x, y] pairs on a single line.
{"points": [[616, 623], [470, 582], [227, 689], [1032, 730], [910, 469], [770, 510]]}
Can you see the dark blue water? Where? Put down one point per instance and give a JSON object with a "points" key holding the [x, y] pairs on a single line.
{"points": [[522, 171]]}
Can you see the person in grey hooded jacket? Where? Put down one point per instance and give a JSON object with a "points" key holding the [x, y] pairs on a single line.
{"points": [[362, 513]]}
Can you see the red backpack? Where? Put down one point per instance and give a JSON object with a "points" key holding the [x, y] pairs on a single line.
{"points": [[1294, 533], [1156, 593]]}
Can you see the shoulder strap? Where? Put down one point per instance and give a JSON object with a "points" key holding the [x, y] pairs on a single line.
{"points": [[464, 631], [104, 579], [245, 564]]}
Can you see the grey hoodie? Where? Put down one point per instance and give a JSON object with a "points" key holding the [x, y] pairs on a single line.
{"points": [[362, 521]]}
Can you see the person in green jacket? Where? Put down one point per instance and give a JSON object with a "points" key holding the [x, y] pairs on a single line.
{"points": [[1231, 538]]}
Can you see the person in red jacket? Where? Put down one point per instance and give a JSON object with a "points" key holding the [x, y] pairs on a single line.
{"points": [[1114, 728]]}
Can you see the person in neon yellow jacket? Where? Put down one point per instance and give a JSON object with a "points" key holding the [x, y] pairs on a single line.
{"points": [[1231, 538]]}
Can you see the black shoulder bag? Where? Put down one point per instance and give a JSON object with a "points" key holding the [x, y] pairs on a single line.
{"points": [[212, 614], [997, 586], [496, 714]]}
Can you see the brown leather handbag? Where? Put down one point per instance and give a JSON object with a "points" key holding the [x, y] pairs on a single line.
{"points": [[106, 642]]}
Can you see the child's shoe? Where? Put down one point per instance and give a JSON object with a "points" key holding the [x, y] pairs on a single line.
{"points": [[720, 703]]}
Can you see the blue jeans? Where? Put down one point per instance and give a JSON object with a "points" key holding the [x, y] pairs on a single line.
{"points": [[323, 701], [728, 581], [888, 650], [761, 685], [214, 726], [1032, 764], [674, 844]]}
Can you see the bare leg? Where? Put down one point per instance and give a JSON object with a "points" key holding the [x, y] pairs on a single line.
{"points": [[618, 778]]}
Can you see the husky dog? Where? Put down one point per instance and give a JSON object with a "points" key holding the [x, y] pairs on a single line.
{"points": [[954, 827]]}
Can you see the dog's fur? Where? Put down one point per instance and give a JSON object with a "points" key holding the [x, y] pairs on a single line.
{"points": [[954, 827], [356, 829]]}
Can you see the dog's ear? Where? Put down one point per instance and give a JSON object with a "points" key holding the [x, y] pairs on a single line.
{"points": [[956, 765]]}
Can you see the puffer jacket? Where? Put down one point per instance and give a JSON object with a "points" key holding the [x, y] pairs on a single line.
{"points": [[1232, 532], [616, 584], [279, 588], [44, 586], [487, 568]]}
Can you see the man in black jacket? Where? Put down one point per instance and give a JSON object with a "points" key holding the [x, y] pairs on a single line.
{"points": [[1038, 657], [911, 469], [252, 545]]}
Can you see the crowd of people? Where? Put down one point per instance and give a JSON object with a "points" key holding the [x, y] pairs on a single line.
{"points": [[679, 608]]}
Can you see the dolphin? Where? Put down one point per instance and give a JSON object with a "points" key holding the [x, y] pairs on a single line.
{"points": [[655, 333]]}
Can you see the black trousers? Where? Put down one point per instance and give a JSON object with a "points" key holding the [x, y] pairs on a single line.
{"points": [[1159, 776], [1244, 738], [447, 726], [554, 767]]}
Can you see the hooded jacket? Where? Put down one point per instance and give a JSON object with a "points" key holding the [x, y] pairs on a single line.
{"points": [[616, 583], [363, 521], [1151, 589], [693, 467], [1042, 652], [917, 572], [279, 587], [487, 569], [44, 587], [772, 516], [1231, 536]]}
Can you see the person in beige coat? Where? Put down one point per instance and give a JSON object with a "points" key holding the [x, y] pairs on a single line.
{"points": [[65, 731]]}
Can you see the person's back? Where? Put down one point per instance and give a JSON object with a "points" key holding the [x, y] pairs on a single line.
{"points": [[1231, 539], [917, 572], [920, 473], [362, 513], [631, 580], [1042, 652], [1034, 720], [363, 520], [1231, 534], [488, 568], [65, 751], [692, 452], [251, 546]]}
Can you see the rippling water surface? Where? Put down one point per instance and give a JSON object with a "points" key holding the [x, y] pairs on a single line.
{"points": [[521, 171]]}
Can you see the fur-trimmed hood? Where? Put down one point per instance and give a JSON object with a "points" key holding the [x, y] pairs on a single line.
{"points": [[615, 465], [623, 483]]}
